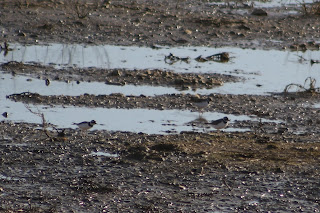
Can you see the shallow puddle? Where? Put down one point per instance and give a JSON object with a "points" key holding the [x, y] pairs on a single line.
{"points": [[265, 71], [317, 106], [278, 3], [18, 84], [266, 3], [6, 178], [104, 154], [133, 120]]}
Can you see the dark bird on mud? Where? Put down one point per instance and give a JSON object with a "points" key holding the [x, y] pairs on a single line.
{"points": [[220, 123], [85, 125]]}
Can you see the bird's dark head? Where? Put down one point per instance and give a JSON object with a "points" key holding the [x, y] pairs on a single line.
{"points": [[93, 122], [226, 119]]}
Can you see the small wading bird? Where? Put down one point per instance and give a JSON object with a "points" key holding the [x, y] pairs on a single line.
{"points": [[220, 123], [200, 103], [85, 125]]}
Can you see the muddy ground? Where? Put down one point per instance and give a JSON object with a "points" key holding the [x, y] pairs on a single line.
{"points": [[188, 172], [161, 22], [274, 168]]}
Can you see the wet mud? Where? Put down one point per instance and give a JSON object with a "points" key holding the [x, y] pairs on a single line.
{"points": [[274, 167], [121, 77], [184, 172]]}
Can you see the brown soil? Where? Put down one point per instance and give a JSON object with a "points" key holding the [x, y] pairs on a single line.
{"points": [[148, 23], [270, 169], [172, 173], [121, 77]]}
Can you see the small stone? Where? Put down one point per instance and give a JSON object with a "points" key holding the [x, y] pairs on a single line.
{"points": [[5, 114], [189, 32], [116, 73], [259, 12], [22, 34]]}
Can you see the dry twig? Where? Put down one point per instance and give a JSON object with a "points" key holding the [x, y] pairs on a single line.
{"points": [[44, 123]]}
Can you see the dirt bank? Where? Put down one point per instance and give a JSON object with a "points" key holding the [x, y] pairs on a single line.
{"points": [[163, 22]]}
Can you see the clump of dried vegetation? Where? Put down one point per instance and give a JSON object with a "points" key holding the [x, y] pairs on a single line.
{"points": [[308, 87], [310, 9], [60, 134]]}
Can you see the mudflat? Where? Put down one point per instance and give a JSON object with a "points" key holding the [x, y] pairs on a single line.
{"points": [[274, 167]]}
